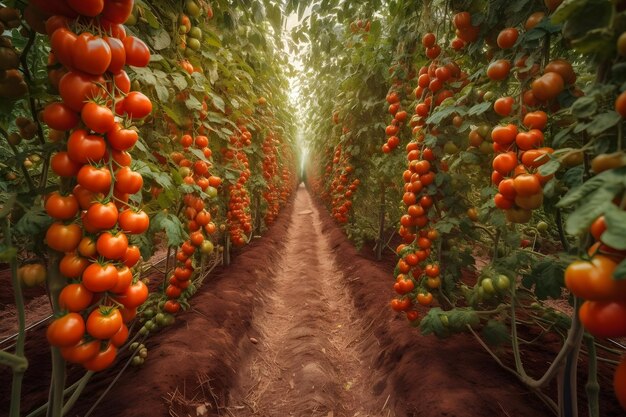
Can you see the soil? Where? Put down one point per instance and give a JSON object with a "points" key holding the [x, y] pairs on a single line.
{"points": [[299, 325]]}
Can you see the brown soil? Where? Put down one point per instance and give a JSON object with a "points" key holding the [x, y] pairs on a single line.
{"points": [[299, 325]]}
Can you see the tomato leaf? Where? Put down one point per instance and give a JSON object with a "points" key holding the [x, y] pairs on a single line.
{"points": [[34, 221], [171, 225], [611, 178], [584, 107], [620, 271], [550, 167], [479, 108], [546, 278], [495, 333], [603, 122]]}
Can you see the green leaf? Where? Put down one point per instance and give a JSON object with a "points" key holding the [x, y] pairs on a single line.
{"points": [[602, 122], [612, 178], [479, 108], [620, 271], [495, 333], [584, 107], [615, 234], [218, 102], [192, 103], [171, 225], [179, 80], [549, 167], [432, 323], [161, 40], [546, 278], [33, 222]]}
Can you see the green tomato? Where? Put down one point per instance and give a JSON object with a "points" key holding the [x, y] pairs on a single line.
{"points": [[503, 282], [137, 361], [143, 331], [489, 95], [143, 353], [132, 20], [148, 313], [487, 286], [450, 148], [193, 44], [485, 148], [207, 247], [211, 192], [184, 171], [192, 8], [195, 33], [444, 320], [542, 227]]}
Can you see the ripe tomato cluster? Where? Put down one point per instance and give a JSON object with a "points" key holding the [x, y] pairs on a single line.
{"points": [[341, 188], [238, 214], [465, 32], [399, 117], [279, 182], [603, 313], [93, 223]]}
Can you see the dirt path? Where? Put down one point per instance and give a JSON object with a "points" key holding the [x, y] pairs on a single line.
{"points": [[307, 360]]}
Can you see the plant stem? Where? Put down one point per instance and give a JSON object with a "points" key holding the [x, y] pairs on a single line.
{"points": [[82, 383], [56, 282], [592, 388], [19, 363], [41, 409], [559, 225]]}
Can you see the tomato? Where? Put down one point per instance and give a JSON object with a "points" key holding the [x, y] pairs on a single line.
{"points": [[533, 20], [137, 52], [112, 246], [606, 161], [536, 120], [58, 116], [81, 352], [122, 139], [100, 277], [593, 280], [98, 118], [85, 197], [118, 54], [134, 222], [32, 274], [504, 106], [137, 105], [124, 280], [132, 256], [432, 270], [97, 180], [518, 215], [83, 147], [462, 20], [620, 105], [72, 265], [530, 202], [63, 166], [117, 11], [505, 162], [400, 305], [91, 54], [504, 135], [171, 306], [563, 68], [66, 330], [507, 38], [604, 318], [89, 8], [548, 86], [61, 207], [527, 185], [499, 70], [134, 296], [598, 227], [62, 43], [104, 322], [428, 40], [63, 238], [127, 181], [75, 298], [103, 359], [120, 337], [102, 215], [76, 88], [56, 22], [121, 82]]}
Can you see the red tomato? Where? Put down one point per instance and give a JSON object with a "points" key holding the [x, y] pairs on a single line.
{"points": [[134, 222], [104, 322], [89, 8], [102, 360], [100, 277], [604, 318], [61, 207], [63, 238], [117, 11], [118, 54], [67, 330], [75, 298], [97, 180], [60, 117], [62, 42], [81, 352], [137, 105], [112, 246], [137, 52], [77, 88], [83, 147], [98, 118], [134, 296], [127, 181]]}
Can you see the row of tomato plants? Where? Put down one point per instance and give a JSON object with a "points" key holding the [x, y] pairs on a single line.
{"points": [[129, 129], [511, 119]]}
